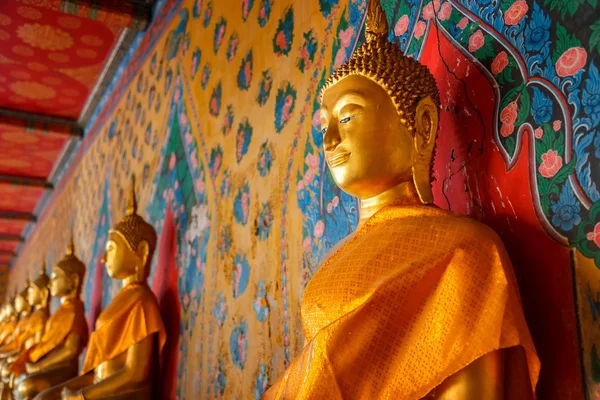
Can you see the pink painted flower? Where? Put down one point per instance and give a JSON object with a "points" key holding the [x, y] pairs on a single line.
{"points": [[316, 119], [462, 24], [186, 300], [499, 63], [213, 105], [280, 40], [428, 12], [340, 57], [335, 201], [346, 36], [556, 125], [245, 205], [538, 132], [308, 177], [300, 186], [516, 12], [220, 34], [401, 26], [476, 41], [172, 161], [551, 163], [445, 11], [312, 161], [419, 29], [307, 243], [183, 119], [329, 208], [594, 236], [507, 129], [319, 229], [571, 61], [509, 114]]}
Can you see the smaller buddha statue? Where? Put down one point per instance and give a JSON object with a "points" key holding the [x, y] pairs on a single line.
{"points": [[9, 320], [122, 358], [38, 298], [55, 358], [23, 311], [419, 302]]}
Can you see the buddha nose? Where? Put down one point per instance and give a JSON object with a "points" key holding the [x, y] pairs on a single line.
{"points": [[332, 138]]}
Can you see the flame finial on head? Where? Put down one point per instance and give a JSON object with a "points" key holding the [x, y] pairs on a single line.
{"points": [[376, 23], [70, 246], [132, 201]]}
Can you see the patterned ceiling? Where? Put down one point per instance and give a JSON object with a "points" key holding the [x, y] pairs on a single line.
{"points": [[56, 57]]}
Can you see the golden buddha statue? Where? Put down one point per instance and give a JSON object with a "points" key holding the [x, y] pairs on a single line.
{"points": [[23, 311], [123, 352], [9, 320], [55, 359], [419, 302]]}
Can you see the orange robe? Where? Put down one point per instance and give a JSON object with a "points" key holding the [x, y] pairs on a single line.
{"points": [[7, 330], [69, 317], [130, 317], [417, 294]]}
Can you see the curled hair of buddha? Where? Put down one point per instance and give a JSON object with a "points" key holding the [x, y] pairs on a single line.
{"points": [[23, 293], [134, 229], [406, 80], [70, 264]]}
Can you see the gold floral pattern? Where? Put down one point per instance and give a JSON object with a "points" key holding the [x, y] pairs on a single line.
{"points": [[35, 66], [51, 80], [69, 22], [2, 79], [45, 37], [33, 90], [4, 35], [59, 57], [5, 19], [21, 74], [24, 51], [71, 92], [87, 54], [92, 40], [29, 13]]}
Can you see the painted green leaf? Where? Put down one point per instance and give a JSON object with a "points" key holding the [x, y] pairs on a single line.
{"points": [[524, 107], [563, 43]]}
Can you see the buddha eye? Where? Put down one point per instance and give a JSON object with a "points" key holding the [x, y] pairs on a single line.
{"points": [[324, 131], [347, 119]]}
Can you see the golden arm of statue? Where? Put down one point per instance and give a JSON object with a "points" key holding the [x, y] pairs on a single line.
{"points": [[66, 352], [488, 377], [136, 371]]}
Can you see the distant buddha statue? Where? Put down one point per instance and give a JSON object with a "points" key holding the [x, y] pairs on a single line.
{"points": [[418, 303], [9, 322], [30, 329], [123, 352], [55, 358], [10, 345]]}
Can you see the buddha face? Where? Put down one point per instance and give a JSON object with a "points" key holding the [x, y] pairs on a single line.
{"points": [[120, 260], [60, 283], [21, 304], [367, 148], [34, 295]]}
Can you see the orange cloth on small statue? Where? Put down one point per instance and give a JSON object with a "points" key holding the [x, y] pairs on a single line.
{"points": [[130, 317], [7, 330], [417, 294], [20, 334]]}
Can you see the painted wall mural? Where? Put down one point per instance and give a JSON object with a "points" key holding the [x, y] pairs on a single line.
{"points": [[217, 116]]}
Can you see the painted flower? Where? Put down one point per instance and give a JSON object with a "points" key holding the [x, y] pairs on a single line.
{"points": [[238, 344], [551, 164], [541, 107], [594, 236], [401, 26], [220, 380], [476, 41], [227, 120], [265, 221], [428, 11], [590, 97], [571, 61], [243, 138], [220, 309], [537, 31], [219, 34], [284, 105], [264, 13], [264, 90], [265, 159], [205, 76], [462, 24], [319, 229], [246, 8], [566, 210], [244, 77], [419, 29], [538, 132], [340, 57], [313, 162], [262, 382], [282, 42], [232, 46], [346, 36], [516, 12], [214, 165], [507, 129], [556, 125], [260, 304], [240, 275], [509, 114], [499, 63], [215, 100], [445, 11], [241, 205], [307, 243]]}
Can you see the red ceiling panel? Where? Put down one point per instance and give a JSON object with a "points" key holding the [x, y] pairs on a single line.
{"points": [[30, 154], [8, 245], [49, 61], [10, 227], [19, 198]]}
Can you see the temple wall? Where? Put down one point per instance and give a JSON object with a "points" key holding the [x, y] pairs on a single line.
{"points": [[215, 117]]}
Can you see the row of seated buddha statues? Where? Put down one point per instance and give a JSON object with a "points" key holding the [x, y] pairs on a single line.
{"points": [[39, 353]]}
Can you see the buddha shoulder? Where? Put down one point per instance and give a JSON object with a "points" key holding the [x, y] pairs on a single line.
{"points": [[128, 298]]}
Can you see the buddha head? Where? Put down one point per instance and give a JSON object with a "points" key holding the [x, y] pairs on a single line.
{"points": [[38, 292], [8, 310], [22, 306], [67, 275], [130, 245], [379, 117]]}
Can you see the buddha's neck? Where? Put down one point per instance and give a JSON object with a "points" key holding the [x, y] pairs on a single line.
{"points": [[132, 279], [68, 297], [368, 207]]}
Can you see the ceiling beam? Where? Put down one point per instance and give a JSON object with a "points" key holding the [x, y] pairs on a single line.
{"points": [[11, 238], [26, 181], [62, 126], [16, 215]]}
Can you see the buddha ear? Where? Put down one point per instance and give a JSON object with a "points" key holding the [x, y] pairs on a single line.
{"points": [[143, 250], [75, 280], [426, 125]]}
